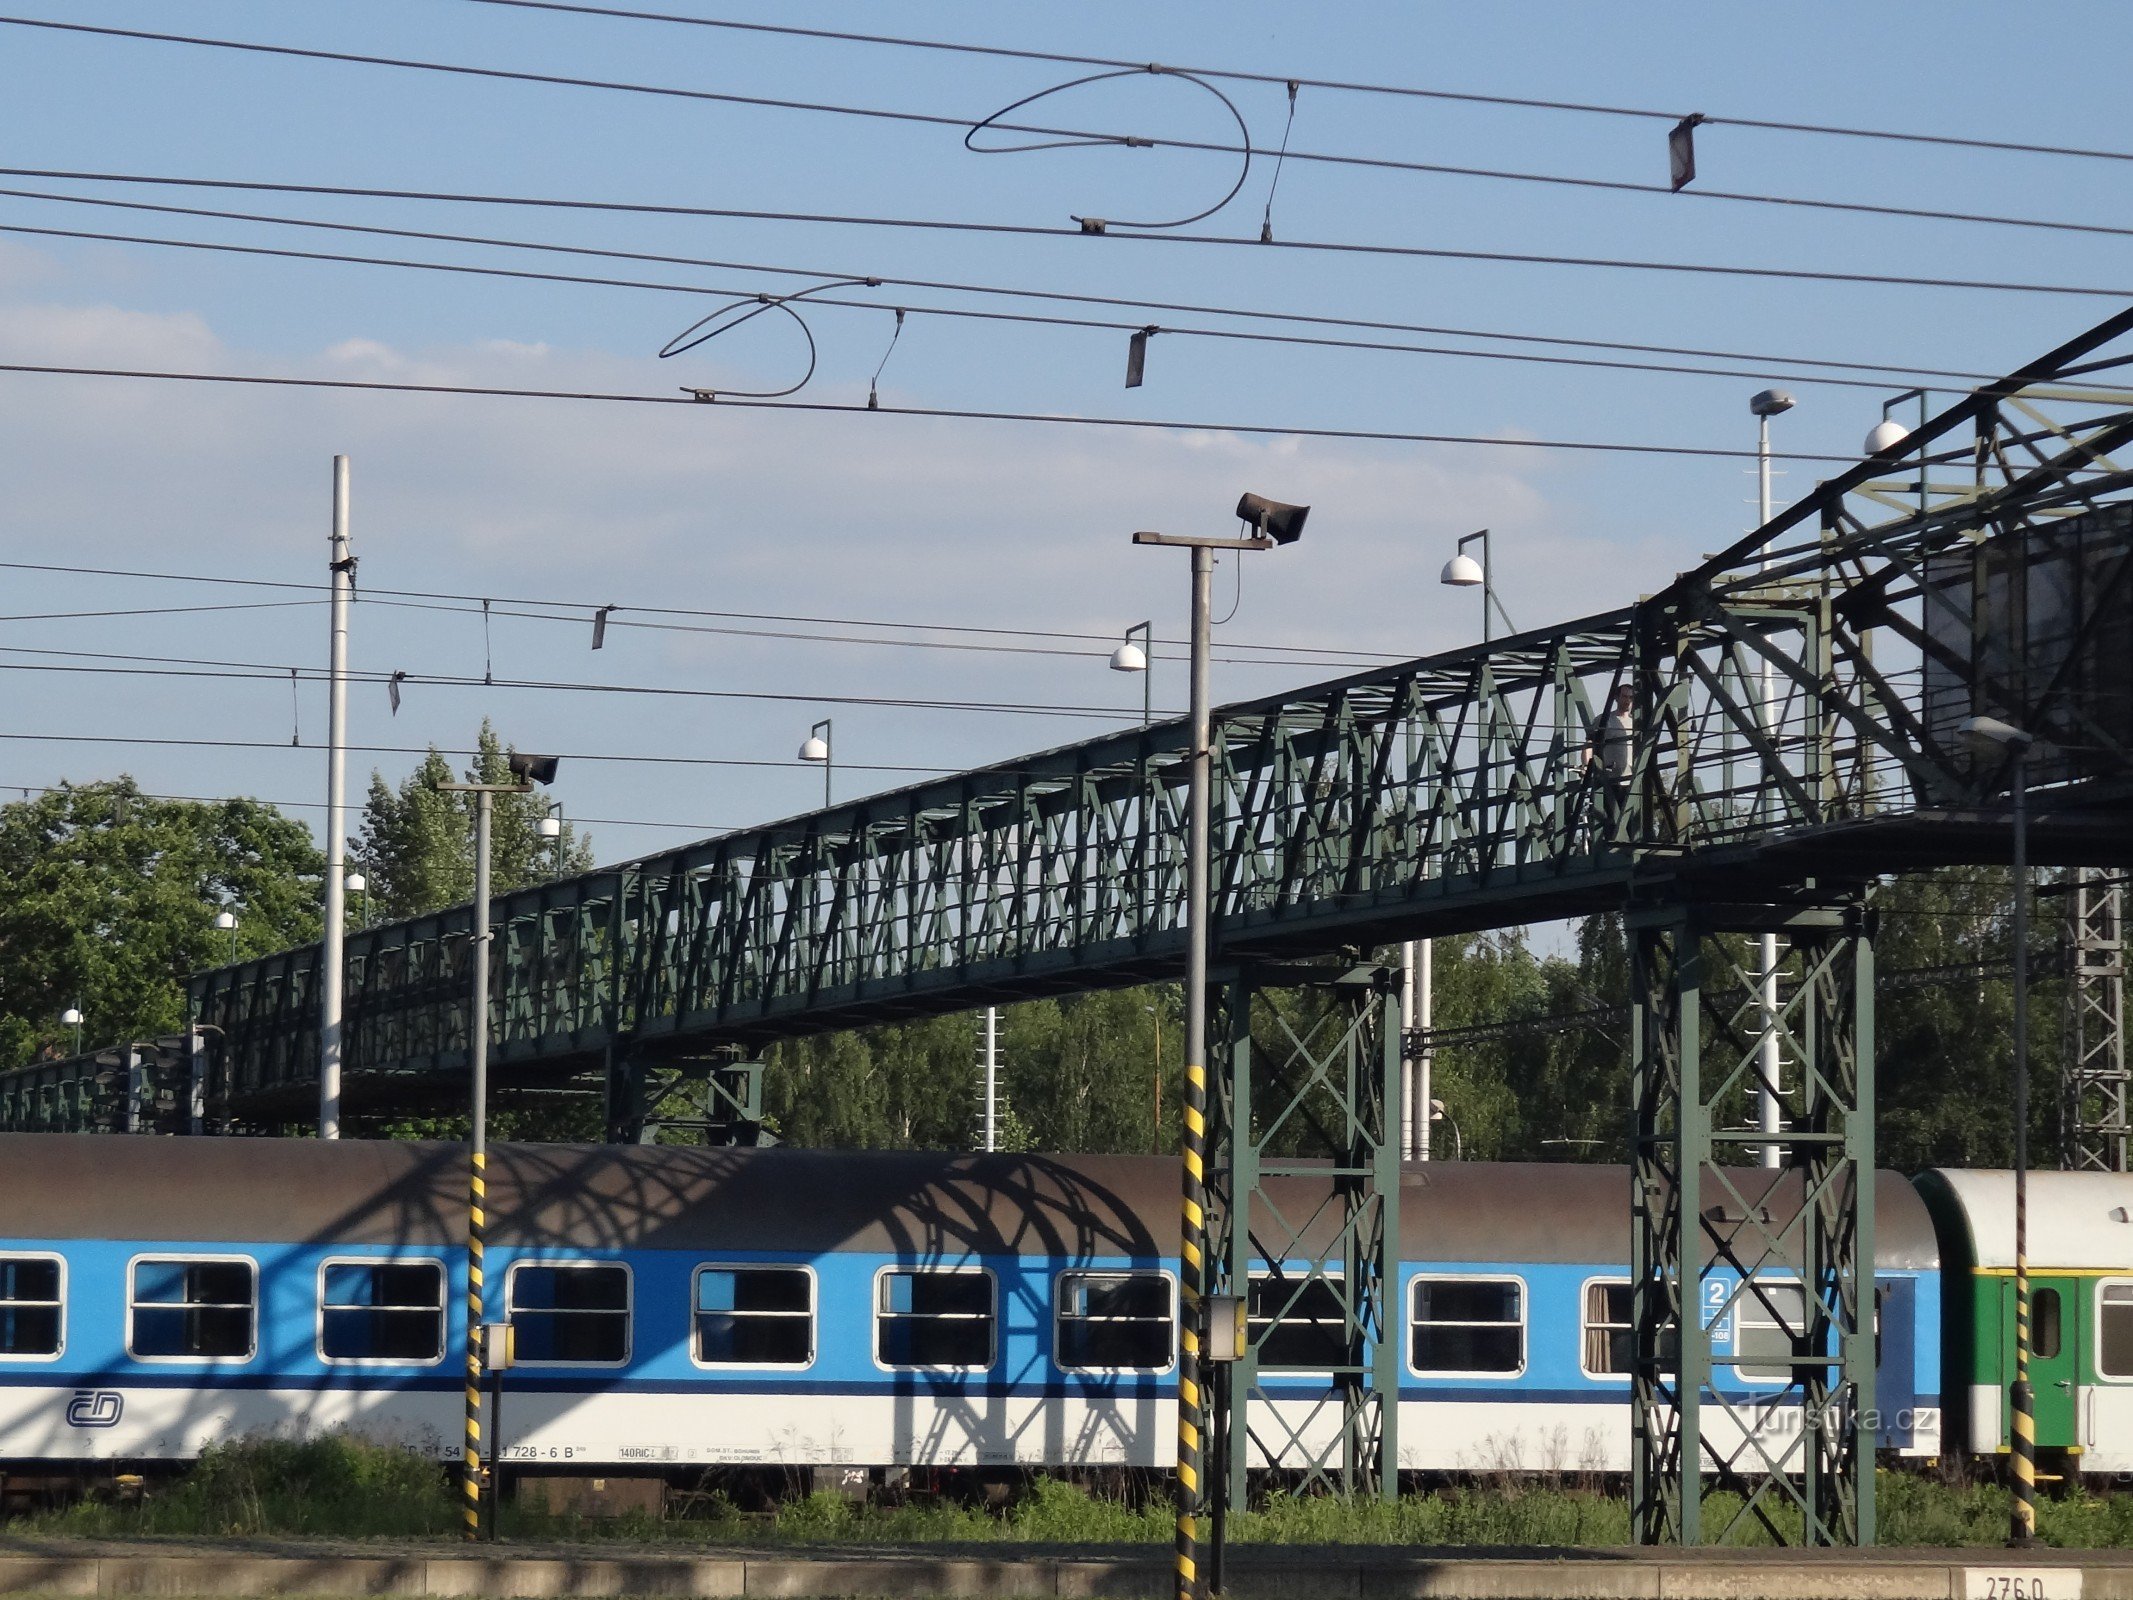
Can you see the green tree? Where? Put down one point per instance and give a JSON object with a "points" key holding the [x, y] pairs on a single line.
{"points": [[416, 847], [1080, 1072], [1944, 1020], [108, 900]]}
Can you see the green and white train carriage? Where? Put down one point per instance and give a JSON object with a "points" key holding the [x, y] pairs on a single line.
{"points": [[2081, 1312]]}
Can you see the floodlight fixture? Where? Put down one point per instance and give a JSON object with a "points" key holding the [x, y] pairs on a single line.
{"points": [[532, 769], [1276, 519]]}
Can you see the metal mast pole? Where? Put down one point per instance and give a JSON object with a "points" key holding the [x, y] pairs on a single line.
{"points": [[1408, 1064], [1769, 1108], [992, 1078], [1425, 1052], [477, 1162], [2022, 1403], [332, 960], [1192, 1254]]}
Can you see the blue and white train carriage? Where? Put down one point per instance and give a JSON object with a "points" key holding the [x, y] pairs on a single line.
{"points": [[679, 1307]]}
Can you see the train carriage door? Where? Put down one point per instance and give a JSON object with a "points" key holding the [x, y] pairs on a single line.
{"points": [[2055, 1341]]}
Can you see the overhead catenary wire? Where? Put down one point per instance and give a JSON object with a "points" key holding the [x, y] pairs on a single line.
{"points": [[701, 828], [166, 666], [1909, 370], [942, 413], [1414, 252], [744, 298], [154, 611], [576, 610], [201, 742], [1349, 86], [1071, 135], [1100, 648]]}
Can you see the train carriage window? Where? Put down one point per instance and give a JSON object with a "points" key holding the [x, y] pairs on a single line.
{"points": [[1467, 1325], [2046, 1323], [32, 1307], [569, 1313], [1766, 1323], [1297, 1323], [2114, 1330], [186, 1309], [1115, 1322], [755, 1316], [381, 1311], [936, 1318], [1607, 1345]]}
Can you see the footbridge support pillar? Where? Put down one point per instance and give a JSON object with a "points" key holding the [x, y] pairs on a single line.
{"points": [[1750, 1312], [1311, 1089]]}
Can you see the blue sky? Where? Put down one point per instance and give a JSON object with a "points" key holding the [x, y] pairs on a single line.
{"points": [[933, 521]]}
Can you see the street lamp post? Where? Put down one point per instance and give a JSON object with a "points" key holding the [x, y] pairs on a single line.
{"points": [[72, 1018], [817, 747], [1272, 523], [1770, 1114], [226, 922], [1464, 572], [357, 883], [1131, 657], [1417, 998], [527, 770], [1992, 738]]}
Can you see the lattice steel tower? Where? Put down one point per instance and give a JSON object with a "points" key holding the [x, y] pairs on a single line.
{"points": [[2092, 1106]]}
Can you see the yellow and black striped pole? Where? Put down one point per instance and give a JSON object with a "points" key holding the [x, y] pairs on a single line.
{"points": [[477, 1167], [1192, 1292], [2022, 1407], [477, 1221]]}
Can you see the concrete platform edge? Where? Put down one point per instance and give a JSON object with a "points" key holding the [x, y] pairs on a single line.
{"points": [[1935, 1575]]}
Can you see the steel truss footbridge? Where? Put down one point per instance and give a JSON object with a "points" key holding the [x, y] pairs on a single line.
{"points": [[1793, 708]]}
